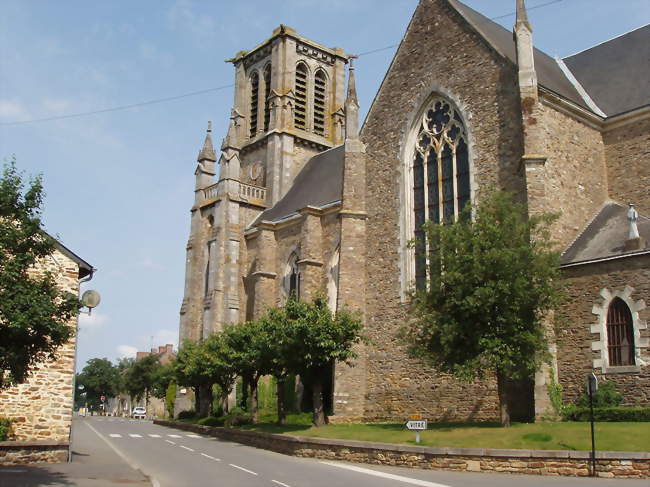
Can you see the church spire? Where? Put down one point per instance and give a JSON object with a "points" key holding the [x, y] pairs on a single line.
{"points": [[207, 152], [522, 15], [523, 34], [351, 106]]}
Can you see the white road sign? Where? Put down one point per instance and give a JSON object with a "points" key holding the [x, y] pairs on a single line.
{"points": [[417, 425]]}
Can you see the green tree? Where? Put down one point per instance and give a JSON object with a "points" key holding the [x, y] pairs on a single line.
{"points": [[35, 314], [492, 280], [139, 379], [189, 372], [162, 377], [219, 364], [99, 378]]}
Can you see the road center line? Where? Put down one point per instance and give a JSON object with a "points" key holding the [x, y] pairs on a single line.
{"points": [[170, 441], [376, 473], [280, 483], [211, 458], [242, 468], [185, 447]]}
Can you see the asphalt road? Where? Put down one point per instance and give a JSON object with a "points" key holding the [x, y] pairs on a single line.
{"points": [[174, 458]]}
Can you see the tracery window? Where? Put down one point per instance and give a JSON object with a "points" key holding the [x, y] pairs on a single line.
{"points": [[267, 93], [320, 90], [300, 112], [255, 92], [620, 334]]}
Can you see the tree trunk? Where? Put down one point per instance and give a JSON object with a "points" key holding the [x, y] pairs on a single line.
{"points": [[317, 399], [282, 414], [205, 401], [197, 399], [254, 398], [502, 387], [243, 402]]}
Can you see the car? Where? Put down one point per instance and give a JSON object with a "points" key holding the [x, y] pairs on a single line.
{"points": [[139, 412]]}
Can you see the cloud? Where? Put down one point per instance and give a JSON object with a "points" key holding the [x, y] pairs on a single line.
{"points": [[92, 321], [184, 18], [11, 111], [54, 106], [126, 351], [163, 337]]}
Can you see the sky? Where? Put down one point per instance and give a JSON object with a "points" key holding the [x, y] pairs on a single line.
{"points": [[119, 183]]}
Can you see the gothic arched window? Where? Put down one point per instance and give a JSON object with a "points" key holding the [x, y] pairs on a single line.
{"points": [[267, 93], [300, 112], [320, 91], [255, 93], [620, 334], [292, 277]]}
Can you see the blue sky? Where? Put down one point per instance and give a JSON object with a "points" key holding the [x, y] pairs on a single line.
{"points": [[120, 184]]}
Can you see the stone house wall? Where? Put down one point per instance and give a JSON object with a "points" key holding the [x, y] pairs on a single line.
{"points": [[41, 407], [576, 340]]}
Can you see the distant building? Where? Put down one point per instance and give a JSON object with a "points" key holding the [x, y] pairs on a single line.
{"points": [[306, 202]]}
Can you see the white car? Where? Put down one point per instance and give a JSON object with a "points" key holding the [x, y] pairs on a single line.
{"points": [[139, 412]]}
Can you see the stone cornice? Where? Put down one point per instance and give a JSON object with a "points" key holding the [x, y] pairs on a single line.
{"points": [[312, 262], [633, 116], [361, 215], [268, 275], [561, 104]]}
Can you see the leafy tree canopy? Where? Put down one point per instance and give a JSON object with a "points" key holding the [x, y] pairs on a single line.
{"points": [[98, 378], [35, 314]]}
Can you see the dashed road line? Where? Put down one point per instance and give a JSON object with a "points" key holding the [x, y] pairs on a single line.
{"points": [[376, 473], [186, 447], [115, 435], [170, 441], [211, 458], [155, 436], [193, 436], [133, 435], [280, 483], [242, 468], [175, 436]]}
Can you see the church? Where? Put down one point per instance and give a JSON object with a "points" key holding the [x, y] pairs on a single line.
{"points": [[309, 201]]}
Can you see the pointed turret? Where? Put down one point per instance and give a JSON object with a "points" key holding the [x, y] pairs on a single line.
{"points": [[351, 106], [229, 160], [207, 157], [522, 15], [523, 34], [207, 152]]}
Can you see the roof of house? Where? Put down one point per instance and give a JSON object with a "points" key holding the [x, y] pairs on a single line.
{"points": [[84, 267], [318, 183], [605, 236]]}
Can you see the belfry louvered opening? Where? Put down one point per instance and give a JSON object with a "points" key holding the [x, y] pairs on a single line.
{"points": [[267, 94], [320, 90], [300, 113], [255, 93], [620, 334]]}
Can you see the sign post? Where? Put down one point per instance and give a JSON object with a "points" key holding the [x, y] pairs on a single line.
{"points": [[592, 387], [417, 424]]}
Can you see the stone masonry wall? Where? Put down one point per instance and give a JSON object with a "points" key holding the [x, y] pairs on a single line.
{"points": [[575, 354], [440, 54], [628, 163], [41, 407]]}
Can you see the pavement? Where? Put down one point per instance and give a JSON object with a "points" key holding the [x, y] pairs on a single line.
{"points": [[94, 464]]}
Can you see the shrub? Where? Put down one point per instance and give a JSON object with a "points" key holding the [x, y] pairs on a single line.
{"points": [[605, 397], [170, 398], [5, 429], [237, 417], [211, 421], [612, 414], [189, 414]]}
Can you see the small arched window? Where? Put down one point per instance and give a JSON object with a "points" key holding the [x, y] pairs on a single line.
{"points": [[300, 112], [320, 92], [255, 93], [292, 277], [620, 334], [267, 94]]}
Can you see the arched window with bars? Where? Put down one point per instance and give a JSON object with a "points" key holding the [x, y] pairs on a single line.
{"points": [[300, 111], [267, 94], [620, 334], [320, 102], [255, 93]]}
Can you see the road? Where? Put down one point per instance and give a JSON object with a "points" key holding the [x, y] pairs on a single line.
{"points": [[174, 458]]}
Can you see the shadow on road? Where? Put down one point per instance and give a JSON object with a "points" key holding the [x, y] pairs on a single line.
{"points": [[31, 476]]}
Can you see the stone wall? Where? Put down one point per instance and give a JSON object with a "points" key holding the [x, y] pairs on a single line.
{"points": [[534, 462], [41, 407], [574, 328], [26, 452], [628, 163]]}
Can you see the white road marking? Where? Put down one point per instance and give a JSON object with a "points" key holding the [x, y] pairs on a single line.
{"points": [[280, 483], [170, 441], [115, 435], [133, 435], [111, 420], [211, 458], [155, 436], [242, 468], [187, 448], [193, 436], [175, 436], [376, 473]]}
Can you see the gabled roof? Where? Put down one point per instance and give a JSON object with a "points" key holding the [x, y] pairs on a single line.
{"points": [[84, 267], [318, 183], [616, 73], [604, 237]]}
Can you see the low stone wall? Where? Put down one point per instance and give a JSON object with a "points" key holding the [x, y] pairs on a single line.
{"points": [[535, 462], [24, 452]]}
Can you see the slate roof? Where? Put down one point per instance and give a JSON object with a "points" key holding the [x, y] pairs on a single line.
{"points": [[84, 267], [616, 73], [605, 236], [318, 183]]}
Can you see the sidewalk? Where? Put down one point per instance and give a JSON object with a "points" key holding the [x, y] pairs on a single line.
{"points": [[94, 464]]}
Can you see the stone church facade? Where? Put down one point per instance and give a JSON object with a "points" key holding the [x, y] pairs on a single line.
{"points": [[308, 201]]}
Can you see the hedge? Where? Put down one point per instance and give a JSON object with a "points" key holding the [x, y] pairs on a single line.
{"points": [[613, 414]]}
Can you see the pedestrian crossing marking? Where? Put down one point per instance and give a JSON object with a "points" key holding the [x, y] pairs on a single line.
{"points": [[115, 435], [175, 436], [155, 436], [133, 435]]}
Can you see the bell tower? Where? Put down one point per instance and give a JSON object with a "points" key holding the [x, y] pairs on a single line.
{"points": [[289, 95]]}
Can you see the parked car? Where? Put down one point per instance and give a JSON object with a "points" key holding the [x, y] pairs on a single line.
{"points": [[139, 412]]}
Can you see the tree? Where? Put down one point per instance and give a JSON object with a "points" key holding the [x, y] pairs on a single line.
{"points": [[140, 378], [35, 314], [99, 378], [219, 364], [492, 279], [189, 372]]}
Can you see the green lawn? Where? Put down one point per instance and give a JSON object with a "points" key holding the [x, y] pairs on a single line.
{"points": [[541, 436]]}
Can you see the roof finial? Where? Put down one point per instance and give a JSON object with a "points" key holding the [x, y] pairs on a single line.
{"points": [[351, 107], [207, 152], [352, 87], [522, 15], [632, 217], [209, 125]]}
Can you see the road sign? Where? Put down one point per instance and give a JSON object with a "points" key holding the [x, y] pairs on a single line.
{"points": [[415, 417], [418, 425]]}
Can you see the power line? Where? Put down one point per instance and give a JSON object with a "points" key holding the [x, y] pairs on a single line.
{"points": [[210, 90]]}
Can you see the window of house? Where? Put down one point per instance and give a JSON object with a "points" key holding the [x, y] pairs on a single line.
{"points": [[320, 87], [267, 93], [620, 334], [300, 112], [255, 92]]}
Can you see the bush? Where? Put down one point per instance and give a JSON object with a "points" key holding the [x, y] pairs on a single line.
{"points": [[5, 429], [605, 397], [189, 414], [237, 417], [612, 414], [211, 421]]}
